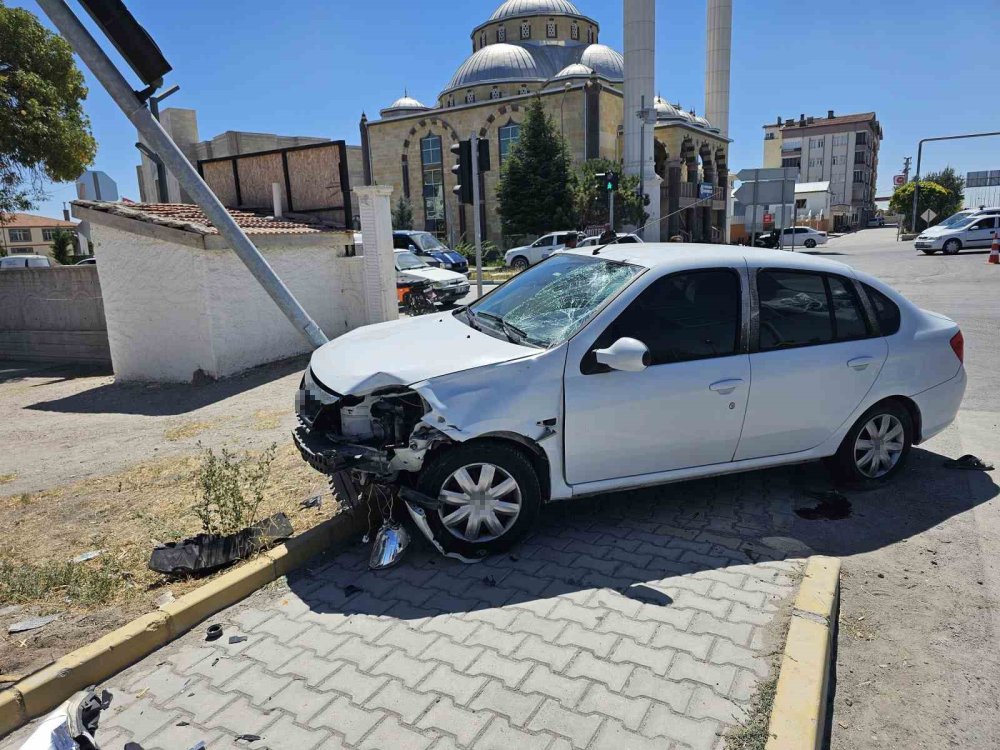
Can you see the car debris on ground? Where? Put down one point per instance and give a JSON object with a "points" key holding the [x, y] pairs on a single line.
{"points": [[33, 624], [207, 552]]}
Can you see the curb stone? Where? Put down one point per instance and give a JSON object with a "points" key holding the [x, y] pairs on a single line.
{"points": [[38, 693], [798, 717]]}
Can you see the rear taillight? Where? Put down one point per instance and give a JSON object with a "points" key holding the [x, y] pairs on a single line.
{"points": [[958, 346]]}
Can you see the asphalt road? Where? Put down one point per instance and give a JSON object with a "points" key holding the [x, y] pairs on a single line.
{"points": [[919, 630]]}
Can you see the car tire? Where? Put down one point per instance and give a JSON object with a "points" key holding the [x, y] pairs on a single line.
{"points": [[810, 244], [952, 247], [852, 465], [510, 466], [520, 263]]}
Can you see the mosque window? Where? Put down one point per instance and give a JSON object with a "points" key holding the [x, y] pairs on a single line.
{"points": [[591, 37], [502, 34], [550, 29], [509, 135], [482, 40], [470, 97], [496, 93], [526, 30], [574, 31], [523, 90], [433, 183]]}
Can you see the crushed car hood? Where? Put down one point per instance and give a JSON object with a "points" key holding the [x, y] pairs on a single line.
{"points": [[407, 351], [436, 274]]}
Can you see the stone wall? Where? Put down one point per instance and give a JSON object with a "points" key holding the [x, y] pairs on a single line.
{"points": [[53, 315]]}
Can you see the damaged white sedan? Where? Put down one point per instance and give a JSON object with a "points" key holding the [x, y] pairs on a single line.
{"points": [[622, 367]]}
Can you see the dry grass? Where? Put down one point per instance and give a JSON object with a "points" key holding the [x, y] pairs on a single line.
{"points": [[8, 478], [268, 419], [186, 430], [751, 733]]}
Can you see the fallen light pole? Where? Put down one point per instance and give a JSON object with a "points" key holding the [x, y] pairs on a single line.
{"points": [[132, 104]]}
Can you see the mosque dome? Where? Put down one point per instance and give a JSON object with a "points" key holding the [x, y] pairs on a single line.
{"points": [[518, 8], [575, 70], [404, 105], [495, 63], [606, 62], [665, 110]]}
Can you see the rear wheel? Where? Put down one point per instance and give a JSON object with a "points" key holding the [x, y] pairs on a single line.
{"points": [[810, 244], [876, 447], [952, 247], [520, 263], [489, 493]]}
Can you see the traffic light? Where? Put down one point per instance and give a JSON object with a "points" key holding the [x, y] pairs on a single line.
{"points": [[484, 155], [463, 170], [607, 182]]}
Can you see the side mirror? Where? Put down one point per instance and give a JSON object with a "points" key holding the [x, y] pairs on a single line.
{"points": [[628, 355]]}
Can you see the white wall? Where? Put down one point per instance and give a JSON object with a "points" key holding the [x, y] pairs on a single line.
{"points": [[173, 309]]}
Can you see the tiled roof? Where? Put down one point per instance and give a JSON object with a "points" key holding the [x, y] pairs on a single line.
{"points": [[31, 221], [192, 219]]}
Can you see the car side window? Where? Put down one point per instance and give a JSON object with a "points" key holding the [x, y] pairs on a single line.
{"points": [[848, 316], [400, 242], [886, 311], [683, 317], [794, 310], [801, 230], [984, 223]]}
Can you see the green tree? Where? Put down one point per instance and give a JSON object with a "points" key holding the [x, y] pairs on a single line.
{"points": [[590, 203], [44, 134], [402, 214], [954, 183], [535, 190], [932, 196], [62, 247]]}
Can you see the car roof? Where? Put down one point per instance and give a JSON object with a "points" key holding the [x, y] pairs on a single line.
{"points": [[676, 256]]}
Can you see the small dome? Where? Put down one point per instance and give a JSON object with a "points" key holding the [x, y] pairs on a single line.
{"points": [[684, 115], [665, 110], [404, 105], [606, 62], [701, 122], [575, 70], [496, 63], [515, 8]]}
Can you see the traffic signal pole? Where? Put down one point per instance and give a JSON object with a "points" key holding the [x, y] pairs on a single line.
{"points": [[611, 209], [476, 228]]}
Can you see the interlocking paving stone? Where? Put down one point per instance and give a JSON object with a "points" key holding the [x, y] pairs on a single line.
{"points": [[626, 621]]}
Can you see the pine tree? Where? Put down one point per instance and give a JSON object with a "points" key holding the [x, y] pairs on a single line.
{"points": [[535, 191], [62, 247], [402, 214]]}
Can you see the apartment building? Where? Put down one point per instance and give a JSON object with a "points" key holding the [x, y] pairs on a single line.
{"points": [[839, 149], [30, 234]]}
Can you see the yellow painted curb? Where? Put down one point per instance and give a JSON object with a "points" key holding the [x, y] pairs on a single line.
{"points": [[798, 717], [42, 691]]}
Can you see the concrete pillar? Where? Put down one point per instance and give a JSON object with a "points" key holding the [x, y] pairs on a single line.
{"points": [[673, 197], [722, 180], [707, 212], [379, 263], [640, 52], [718, 53], [691, 214]]}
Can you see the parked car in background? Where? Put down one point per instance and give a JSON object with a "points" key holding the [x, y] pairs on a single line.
{"points": [[876, 221], [86, 262], [624, 238], [806, 237], [975, 231], [767, 239], [428, 247], [14, 262], [558, 384], [520, 258], [448, 286]]}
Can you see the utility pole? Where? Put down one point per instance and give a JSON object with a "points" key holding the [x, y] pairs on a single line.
{"points": [[611, 210], [476, 227], [132, 105], [906, 167]]}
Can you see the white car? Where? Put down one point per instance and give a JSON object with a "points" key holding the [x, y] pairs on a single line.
{"points": [[623, 239], [806, 237], [24, 260], [595, 373], [449, 286], [975, 231], [521, 258]]}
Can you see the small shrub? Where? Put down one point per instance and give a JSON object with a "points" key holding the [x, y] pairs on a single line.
{"points": [[232, 490], [74, 583]]}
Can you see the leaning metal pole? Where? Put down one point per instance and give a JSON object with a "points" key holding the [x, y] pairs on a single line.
{"points": [[116, 85]]}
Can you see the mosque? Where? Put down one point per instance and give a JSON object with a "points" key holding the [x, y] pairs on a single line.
{"points": [[548, 49]]}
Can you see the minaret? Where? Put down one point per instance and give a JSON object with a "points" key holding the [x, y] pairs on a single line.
{"points": [[640, 53], [719, 42]]}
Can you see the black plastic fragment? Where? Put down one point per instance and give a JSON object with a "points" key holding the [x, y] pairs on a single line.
{"points": [[970, 462], [237, 639], [213, 633], [209, 551]]}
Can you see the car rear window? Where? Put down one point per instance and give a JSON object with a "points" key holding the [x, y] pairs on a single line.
{"points": [[886, 311]]}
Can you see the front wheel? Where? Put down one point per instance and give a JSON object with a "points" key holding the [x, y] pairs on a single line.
{"points": [[520, 263], [876, 447], [489, 493], [810, 244], [952, 247]]}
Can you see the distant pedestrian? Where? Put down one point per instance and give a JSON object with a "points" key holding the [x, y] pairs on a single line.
{"points": [[571, 240], [607, 236]]}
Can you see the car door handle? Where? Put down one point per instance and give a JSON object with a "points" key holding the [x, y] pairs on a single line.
{"points": [[860, 363], [725, 387]]}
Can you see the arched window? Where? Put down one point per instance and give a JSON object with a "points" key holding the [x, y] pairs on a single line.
{"points": [[550, 29], [496, 93], [591, 36], [574, 31], [502, 34], [509, 135], [470, 97], [432, 167], [525, 30], [523, 90]]}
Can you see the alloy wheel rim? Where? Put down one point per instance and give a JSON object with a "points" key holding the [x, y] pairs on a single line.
{"points": [[879, 446], [480, 502]]}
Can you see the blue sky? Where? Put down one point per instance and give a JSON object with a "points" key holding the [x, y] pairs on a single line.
{"points": [[311, 67]]}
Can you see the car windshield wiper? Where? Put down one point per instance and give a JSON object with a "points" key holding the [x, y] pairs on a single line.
{"points": [[514, 334], [471, 317]]}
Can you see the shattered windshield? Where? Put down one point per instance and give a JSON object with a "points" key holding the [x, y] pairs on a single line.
{"points": [[427, 241], [409, 262], [551, 301]]}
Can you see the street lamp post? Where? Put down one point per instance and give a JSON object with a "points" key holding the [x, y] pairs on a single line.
{"points": [[920, 152], [161, 170]]}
